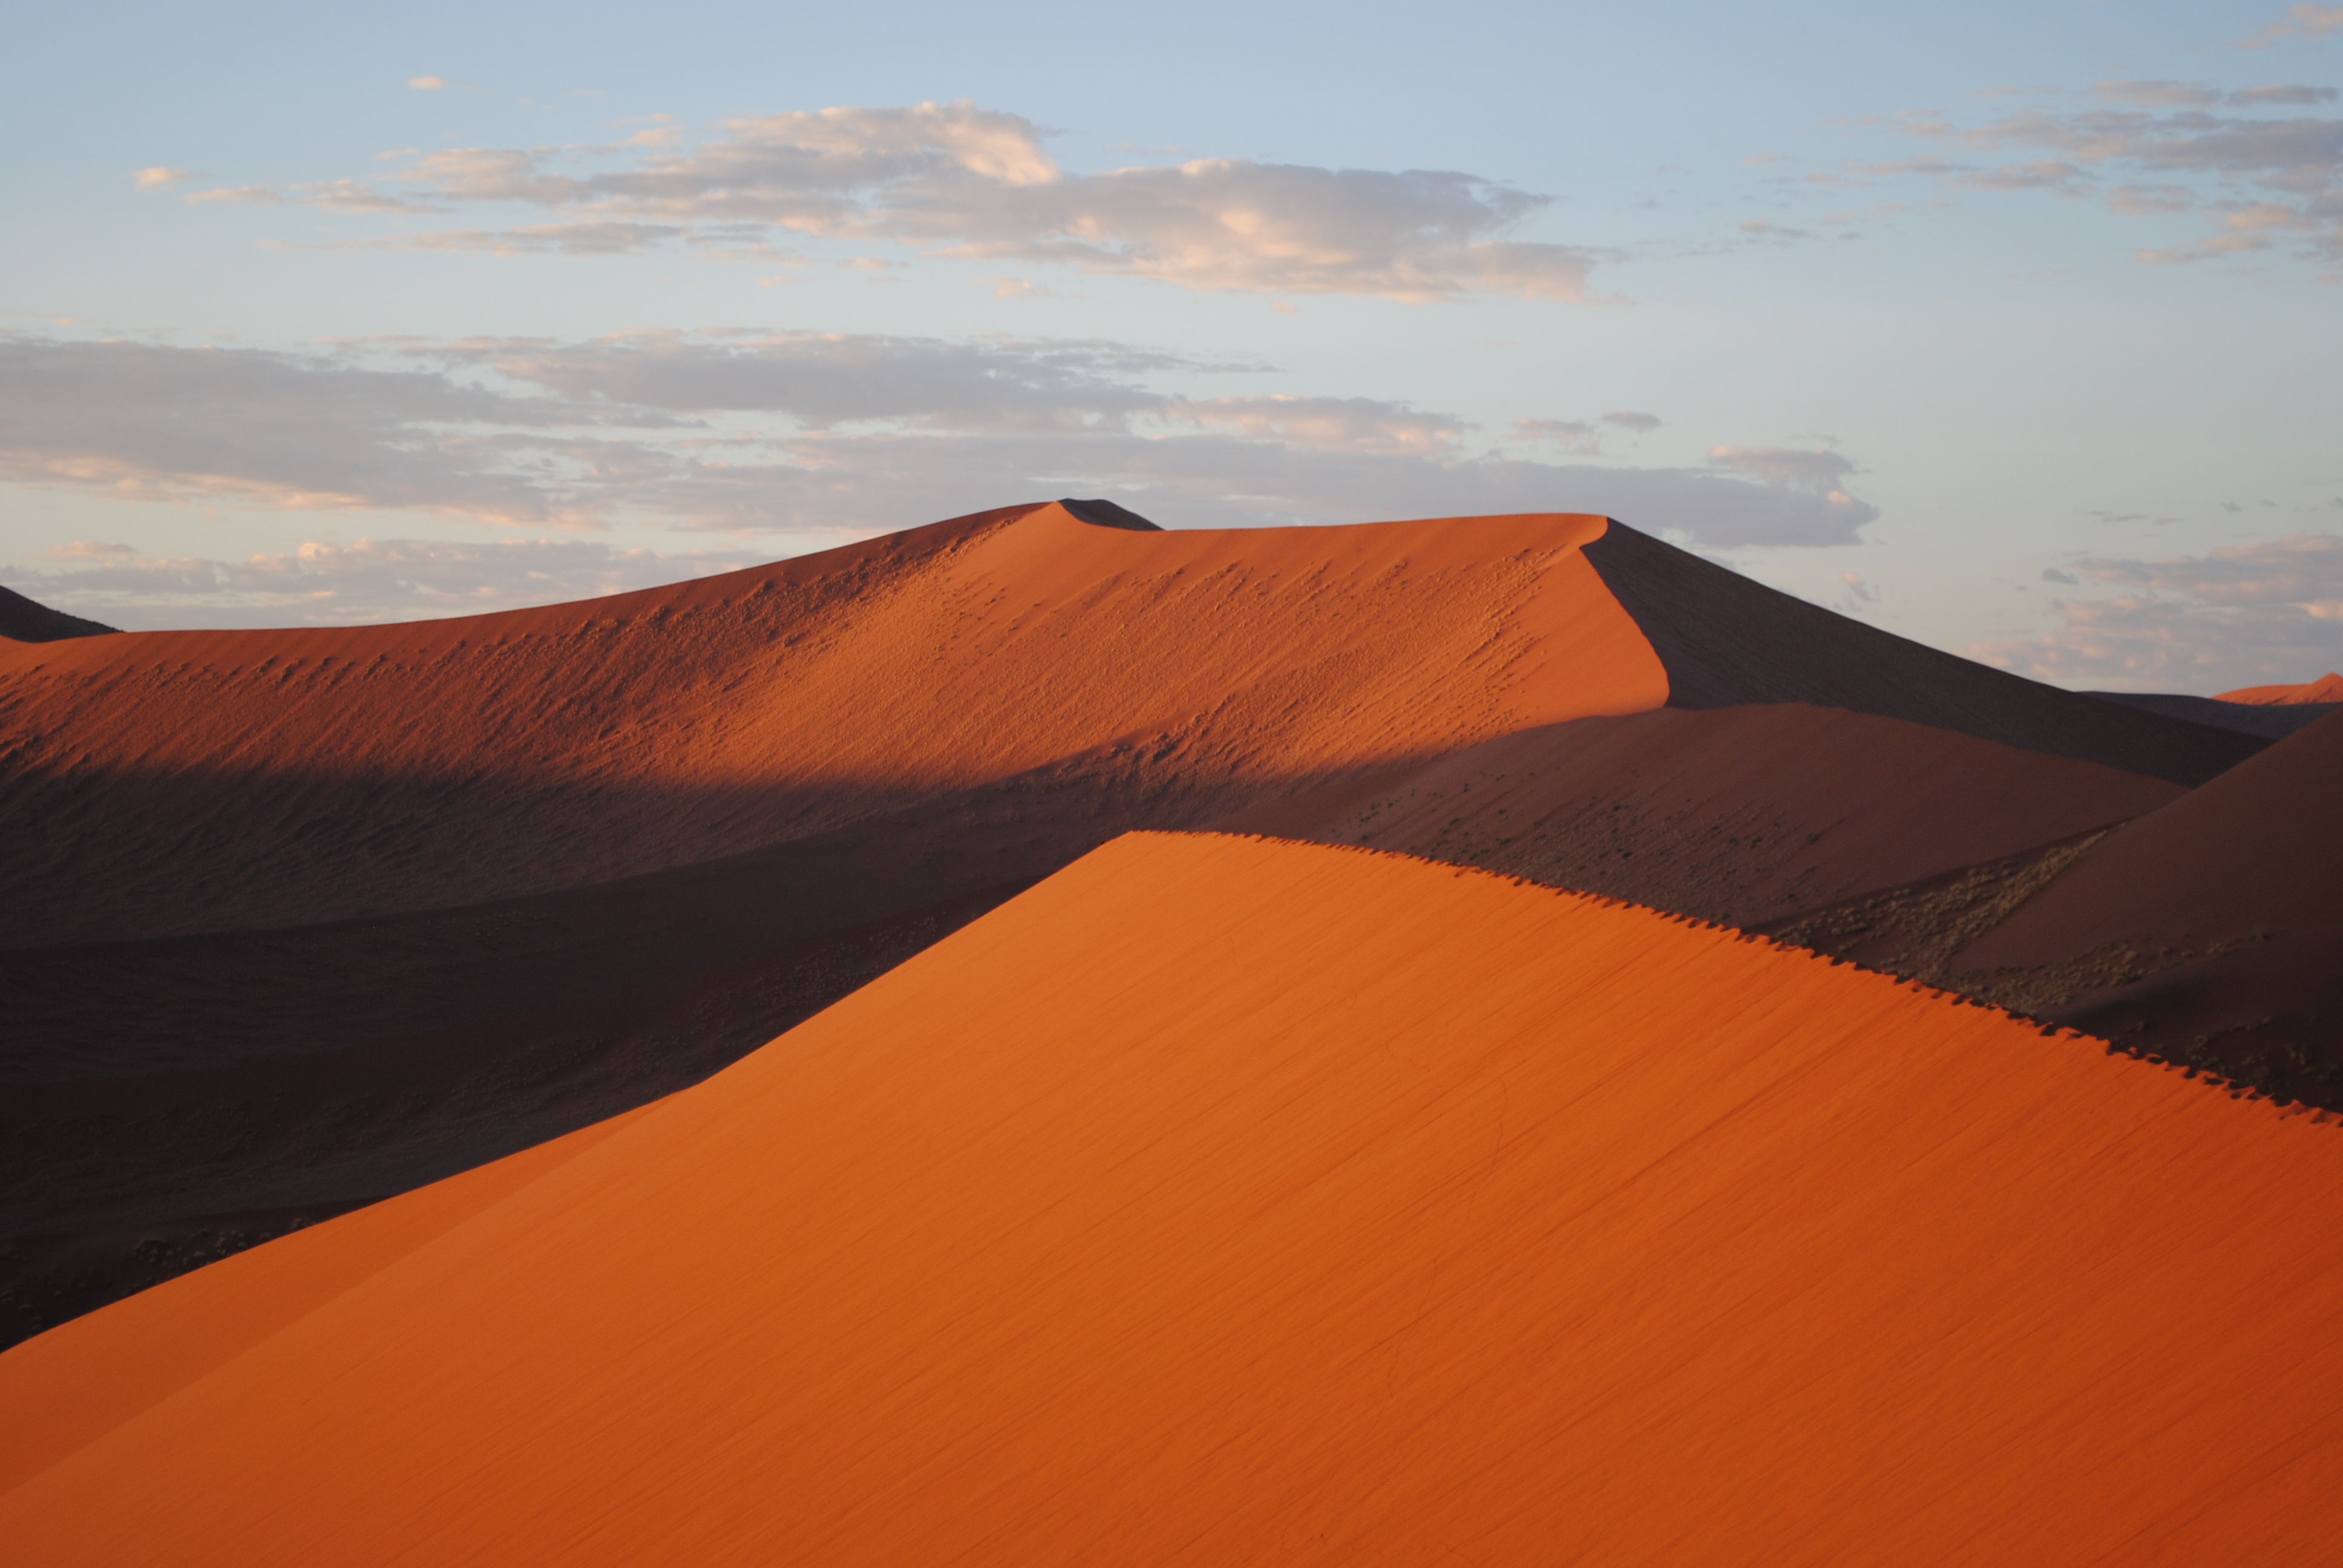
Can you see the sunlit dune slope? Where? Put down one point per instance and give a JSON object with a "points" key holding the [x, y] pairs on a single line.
{"points": [[25, 619], [2327, 688], [1738, 815], [158, 784], [1727, 640], [2216, 920], [1228, 1200]]}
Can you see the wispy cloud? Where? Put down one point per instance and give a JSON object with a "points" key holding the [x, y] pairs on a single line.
{"points": [[162, 177], [956, 180], [2267, 182], [2299, 23], [758, 432], [370, 580], [2237, 616]]}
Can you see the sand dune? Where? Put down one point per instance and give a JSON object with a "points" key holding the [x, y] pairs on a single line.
{"points": [[1738, 815], [2211, 927], [201, 782], [2267, 720], [25, 619], [1229, 1200], [2327, 688], [301, 919], [1727, 640]]}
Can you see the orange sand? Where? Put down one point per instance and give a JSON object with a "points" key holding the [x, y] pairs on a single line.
{"points": [[177, 782], [1232, 1201], [2327, 688]]}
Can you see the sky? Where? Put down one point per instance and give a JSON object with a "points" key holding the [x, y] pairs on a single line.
{"points": [[2014, 328]]}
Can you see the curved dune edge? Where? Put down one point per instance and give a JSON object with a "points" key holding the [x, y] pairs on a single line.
{"points": [[198, 782], [2327, 688], [1228, 1198]]}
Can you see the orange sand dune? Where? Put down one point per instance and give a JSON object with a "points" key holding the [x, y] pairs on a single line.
{"points": [[165, 783], [2210, 930], [422, 866], [1738, 815], [2262, 846], [1226, 1200], [2327, 688]]}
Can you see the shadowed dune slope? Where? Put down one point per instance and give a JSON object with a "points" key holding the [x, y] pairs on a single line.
{"points": [[1737, 814], [1727, 640], [2327, 688], [2262, 846], [159, 784], [2210, 930], [1225, 1201], [2271, 722], [25, 619]]}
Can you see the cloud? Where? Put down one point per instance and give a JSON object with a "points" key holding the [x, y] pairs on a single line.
{"points": [[155, 422], [2278, 93], [760, 432], [2301, 22], [1577, 435], [241, 195], [427, 84], [371, 580], [1351, 423], [2243, 616], [2052, 574], [956, 180], [161, 177], [1789, 467], [2265, 181], [1628, 419], [547, 239], [825, 379]]}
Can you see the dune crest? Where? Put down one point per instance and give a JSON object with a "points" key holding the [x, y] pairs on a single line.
{"points": [[2327, 688], [1233, 1198]]}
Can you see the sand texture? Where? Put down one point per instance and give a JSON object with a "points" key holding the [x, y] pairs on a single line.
{"points": [[1738, 815], [301, 918], [1225, 1201]]}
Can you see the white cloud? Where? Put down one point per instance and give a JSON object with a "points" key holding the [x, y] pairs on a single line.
{"points": [[1353, 423], [2266, 180], [371, 580], [760, 432], [427, 84], [161, 177], [544, 239], [956, 180], [1791, 467], [2237, 617]]}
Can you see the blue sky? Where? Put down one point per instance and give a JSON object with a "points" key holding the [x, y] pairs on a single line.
{"points": [[2012, 328]]}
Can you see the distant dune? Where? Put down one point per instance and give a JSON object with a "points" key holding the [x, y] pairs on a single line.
{"points": [[2215, 919], [24, 619], [2327, 688], [301, 918], [1229, 1200]]}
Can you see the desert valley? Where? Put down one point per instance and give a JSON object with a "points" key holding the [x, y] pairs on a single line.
{"points": [[1039, 1038]]}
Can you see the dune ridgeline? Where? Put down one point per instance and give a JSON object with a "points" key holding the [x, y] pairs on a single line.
{"points": [[1040, 1038]]}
